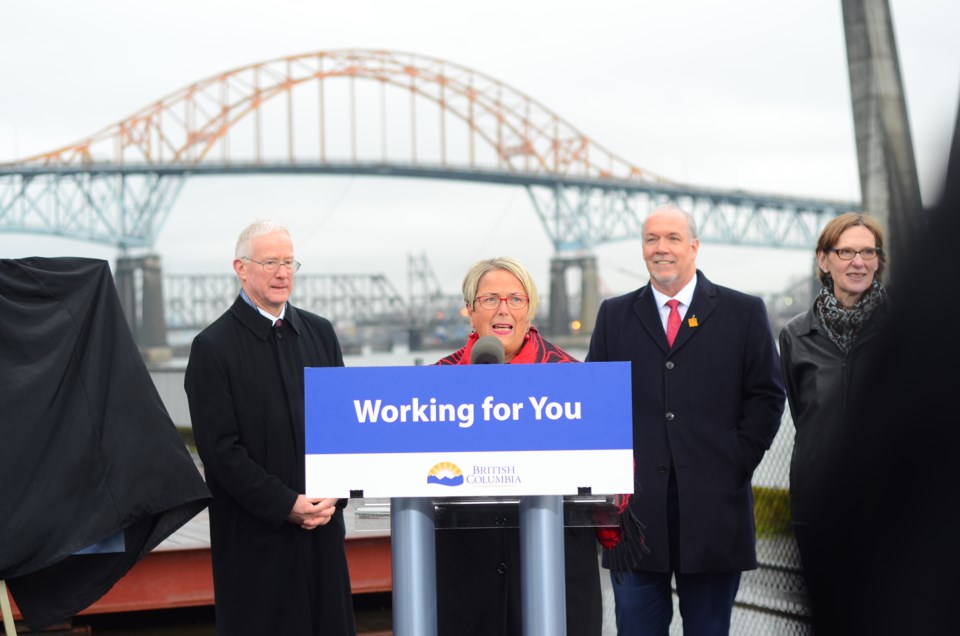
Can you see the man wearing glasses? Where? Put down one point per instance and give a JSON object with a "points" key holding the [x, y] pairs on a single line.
{"points": [[279, 565]]}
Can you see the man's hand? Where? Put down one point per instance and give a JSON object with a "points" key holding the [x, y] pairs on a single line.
{"points": [[308, 513]]}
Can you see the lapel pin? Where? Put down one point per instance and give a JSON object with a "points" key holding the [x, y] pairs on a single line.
{"points": [[693, 321]]}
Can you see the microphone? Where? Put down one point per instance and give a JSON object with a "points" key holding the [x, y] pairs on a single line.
{"points": [[487, 350]]}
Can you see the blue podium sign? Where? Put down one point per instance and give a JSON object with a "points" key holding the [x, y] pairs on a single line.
{"points": [[472, 430]]}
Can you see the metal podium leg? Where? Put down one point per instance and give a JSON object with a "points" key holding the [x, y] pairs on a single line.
{"points": [[542, 575], [413, 556]]}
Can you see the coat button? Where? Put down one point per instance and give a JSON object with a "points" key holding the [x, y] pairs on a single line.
{"points": [[669, 416], [502, 568], [669, 364], [662, 469]]}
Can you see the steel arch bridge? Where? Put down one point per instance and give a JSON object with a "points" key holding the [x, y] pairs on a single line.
{"points": [[370, 112]]}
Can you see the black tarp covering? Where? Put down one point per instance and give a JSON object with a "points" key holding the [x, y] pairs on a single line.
{"points": [[87, 448]]}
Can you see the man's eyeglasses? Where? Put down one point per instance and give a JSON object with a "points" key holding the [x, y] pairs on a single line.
{"points": [[847, 253], [273, 265], [492, 301]]}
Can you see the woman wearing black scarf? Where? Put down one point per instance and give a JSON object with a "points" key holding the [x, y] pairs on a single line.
{"points": [[828, 355]]}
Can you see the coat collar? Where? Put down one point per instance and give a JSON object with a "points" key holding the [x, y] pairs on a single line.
{"points": [[258, 324], [808, 323], [701, 306]]}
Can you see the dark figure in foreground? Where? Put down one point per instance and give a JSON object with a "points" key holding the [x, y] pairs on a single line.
{"points": [[887, 519], [707, 403], [279, 565], [829, 355], [478, 571]]}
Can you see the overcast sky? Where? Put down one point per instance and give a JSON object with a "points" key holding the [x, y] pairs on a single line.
{"points": [[747, 94]]}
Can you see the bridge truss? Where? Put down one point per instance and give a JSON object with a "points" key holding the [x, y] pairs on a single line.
{"points": [[193, 301], [369, 112]]}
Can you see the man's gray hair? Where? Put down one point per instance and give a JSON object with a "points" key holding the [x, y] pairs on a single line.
{"points": [[669, 207], [252, 231]]}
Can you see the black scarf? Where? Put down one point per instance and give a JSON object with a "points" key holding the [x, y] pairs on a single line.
{"points": [[843, 324]]}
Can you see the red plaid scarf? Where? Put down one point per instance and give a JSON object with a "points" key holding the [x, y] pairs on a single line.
{"points": [[624, 555], [534, 349]]}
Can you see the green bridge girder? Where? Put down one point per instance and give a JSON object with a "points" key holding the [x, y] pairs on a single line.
{"points": [[126, 205]]}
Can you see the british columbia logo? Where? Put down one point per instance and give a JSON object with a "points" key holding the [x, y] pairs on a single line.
{"points": [[445, 474]]}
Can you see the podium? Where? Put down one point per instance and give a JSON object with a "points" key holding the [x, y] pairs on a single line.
{"points": [[541, 520], [541, 446]]}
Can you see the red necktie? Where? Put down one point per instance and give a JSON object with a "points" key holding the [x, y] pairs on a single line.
{"points": [[673, 321]]}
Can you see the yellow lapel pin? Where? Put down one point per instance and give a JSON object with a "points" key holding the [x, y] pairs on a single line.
{"points": [[692, 321]]}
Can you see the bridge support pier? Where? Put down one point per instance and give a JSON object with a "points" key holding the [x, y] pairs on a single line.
{"points": [[415, 338], [559, 316], [140, 285], [889, 186], [559, 322]]}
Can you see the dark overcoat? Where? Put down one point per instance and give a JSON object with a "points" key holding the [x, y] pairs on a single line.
{"points": [[709, 406], [822, 387], [244, 382], [478, 570]]}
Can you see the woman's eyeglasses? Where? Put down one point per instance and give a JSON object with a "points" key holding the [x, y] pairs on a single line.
{"points": [[492, 301], [847, 253]]}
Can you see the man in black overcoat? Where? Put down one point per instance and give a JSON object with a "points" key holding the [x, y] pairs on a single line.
{"points": [[707, 403], [279, 565]]}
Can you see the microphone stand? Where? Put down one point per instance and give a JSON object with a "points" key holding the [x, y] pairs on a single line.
{"points": [[413, 553], [542, 575]]}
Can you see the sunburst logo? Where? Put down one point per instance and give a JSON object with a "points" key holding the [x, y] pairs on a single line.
{"points": [[445, 474]]}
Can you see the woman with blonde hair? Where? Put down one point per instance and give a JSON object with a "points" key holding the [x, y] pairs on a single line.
{"points": [[478, 570]]}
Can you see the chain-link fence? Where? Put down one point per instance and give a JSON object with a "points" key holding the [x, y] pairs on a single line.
{"points": [[772, 598]]}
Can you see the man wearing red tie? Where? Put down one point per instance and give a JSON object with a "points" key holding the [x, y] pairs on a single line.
{"points": [[707, 402]]}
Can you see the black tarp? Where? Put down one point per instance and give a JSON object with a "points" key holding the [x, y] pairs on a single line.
{"points": [[87, 448]]}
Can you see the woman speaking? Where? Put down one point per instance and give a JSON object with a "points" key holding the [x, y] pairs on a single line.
{"points": [[478, 570]]}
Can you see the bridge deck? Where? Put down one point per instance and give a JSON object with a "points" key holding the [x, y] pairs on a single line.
{"points": [[178, 572]]}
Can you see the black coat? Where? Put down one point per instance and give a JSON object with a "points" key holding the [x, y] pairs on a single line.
{"points": [[479, 582], [87, 449], [710, 406], [822, 385], [244, 383], [478, 570]]}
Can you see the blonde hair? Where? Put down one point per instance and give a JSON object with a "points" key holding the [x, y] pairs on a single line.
{"points": [[472, 280]]}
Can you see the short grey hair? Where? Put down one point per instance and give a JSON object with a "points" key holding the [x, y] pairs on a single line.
{"points": [[252, 231], [472, 280], [670, 207]]}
